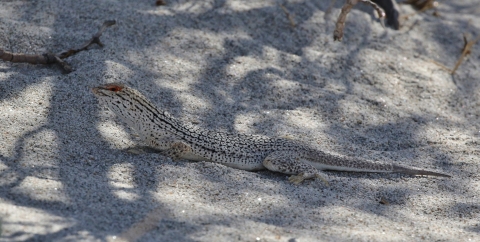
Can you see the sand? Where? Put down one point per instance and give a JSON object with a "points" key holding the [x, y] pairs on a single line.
{"points": [[239, 66]]}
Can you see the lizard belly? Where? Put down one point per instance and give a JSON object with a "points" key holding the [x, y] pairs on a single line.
{"points": [[194, 157], [245, 166], [248, 166]]}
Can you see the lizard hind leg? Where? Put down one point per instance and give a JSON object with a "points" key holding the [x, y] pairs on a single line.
{"points": [[178, 150], [288, 162], [171, 147]]}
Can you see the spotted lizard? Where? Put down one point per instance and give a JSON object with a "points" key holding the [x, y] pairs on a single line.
{"points": [[161, 131]]}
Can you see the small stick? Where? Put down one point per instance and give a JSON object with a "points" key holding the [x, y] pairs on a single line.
{"points": [[329, 9], [160, 3], [49, 58], [441, 65], [422, 5], [289, 16], [340, 25], [467, 49], [149, 222]]}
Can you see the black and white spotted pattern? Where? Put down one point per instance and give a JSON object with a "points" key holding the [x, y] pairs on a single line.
{"points": [[162, 131]]}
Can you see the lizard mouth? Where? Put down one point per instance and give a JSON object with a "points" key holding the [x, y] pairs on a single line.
{"points": [[98, 91]]}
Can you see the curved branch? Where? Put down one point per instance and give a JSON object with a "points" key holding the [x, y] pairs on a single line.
{"points": [[49, 58], [340, 25]]}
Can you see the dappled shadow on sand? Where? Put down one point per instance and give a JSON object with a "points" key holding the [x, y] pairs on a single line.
{"points": [[83, 163]]}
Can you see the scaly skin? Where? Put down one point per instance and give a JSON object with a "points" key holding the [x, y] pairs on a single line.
{"points": [[161, 131]]}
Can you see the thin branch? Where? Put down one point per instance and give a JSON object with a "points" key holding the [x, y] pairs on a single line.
{"points": [[49, 58], [392, 12], [422, 5], [160, 3], [340, 25], [329, 9], [441, 65], [467, 49], [149, 222], [289, 16]]}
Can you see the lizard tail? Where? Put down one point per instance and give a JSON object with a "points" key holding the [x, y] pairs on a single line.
{"points": [[417, 172]]}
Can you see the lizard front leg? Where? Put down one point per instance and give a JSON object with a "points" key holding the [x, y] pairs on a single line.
{"points": [[168, 146], [289, 162]]}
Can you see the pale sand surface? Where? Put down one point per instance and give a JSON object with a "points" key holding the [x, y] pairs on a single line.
{"points": [[239, 66]]}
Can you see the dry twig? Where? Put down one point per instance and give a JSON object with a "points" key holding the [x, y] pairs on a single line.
{"points": [[340, 25], [160, 3], [289, 16], [384, 201], [467, 49], [149, 222], [330, 7], [50, 58], [422, 5], [392, 12]]}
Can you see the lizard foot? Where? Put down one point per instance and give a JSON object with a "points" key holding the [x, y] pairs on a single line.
{"points": [[177, 150], [297, 179], [291, 163], [318, 176]]}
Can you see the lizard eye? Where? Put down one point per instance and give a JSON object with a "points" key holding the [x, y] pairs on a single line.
{"points": [[114, 88]]}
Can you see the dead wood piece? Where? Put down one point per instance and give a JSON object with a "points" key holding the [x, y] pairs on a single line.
{"points": [[392, 11], [49, 58], [94, 40], [340, 25], [148, 223], [160, 3], [384, 201], [441, 65], [422, 5], [289, 16], [467, 49], [329, 9], [46, 58]]}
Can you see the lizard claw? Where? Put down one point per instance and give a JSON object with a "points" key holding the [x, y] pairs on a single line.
{"points": [[296, 179], [318, 176]]}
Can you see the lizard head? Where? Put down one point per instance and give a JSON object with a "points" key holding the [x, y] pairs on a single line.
{"points": [[108, 89], [127, 103]]}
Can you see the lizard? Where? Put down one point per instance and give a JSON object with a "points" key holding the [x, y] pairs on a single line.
{"points": [[161, 131]]}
